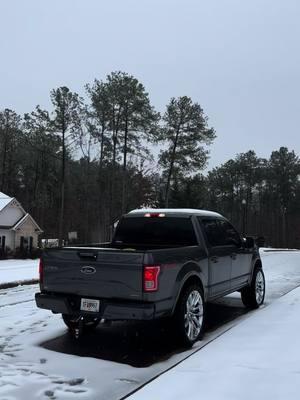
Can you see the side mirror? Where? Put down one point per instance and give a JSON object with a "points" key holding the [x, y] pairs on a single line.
{"points": [[248, 242]]}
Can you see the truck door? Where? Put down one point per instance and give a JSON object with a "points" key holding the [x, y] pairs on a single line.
{"points": [[219, 264], [240, 256]]}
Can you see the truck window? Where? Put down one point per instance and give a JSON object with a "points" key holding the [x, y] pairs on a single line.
{"points": [[229, 234], [212, 231], [162, 231]]}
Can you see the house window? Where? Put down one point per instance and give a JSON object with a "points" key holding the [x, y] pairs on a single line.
{"points": [[26, 243], [2, 242]]}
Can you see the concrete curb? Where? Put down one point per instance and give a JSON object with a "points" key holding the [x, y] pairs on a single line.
{"points": [[9, 285]]}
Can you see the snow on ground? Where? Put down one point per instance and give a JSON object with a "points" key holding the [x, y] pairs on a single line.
{"points": [[282, 270], [259, 358], [234, 360], [18, 270], [28, 371]]}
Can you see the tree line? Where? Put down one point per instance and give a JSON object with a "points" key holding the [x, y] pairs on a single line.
{"points": [[260, 196], [80, 165]]}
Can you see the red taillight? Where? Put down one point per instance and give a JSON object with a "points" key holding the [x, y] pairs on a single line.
{"points": [[154, 215], [41, 267], [151, 273]]}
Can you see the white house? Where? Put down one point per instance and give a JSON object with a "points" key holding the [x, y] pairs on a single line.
{"points": [[17, 228]]}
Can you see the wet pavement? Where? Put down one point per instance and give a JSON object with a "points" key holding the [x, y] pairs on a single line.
{"points": [[140, 344]]}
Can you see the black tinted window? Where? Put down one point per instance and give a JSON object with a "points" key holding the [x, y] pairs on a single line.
{"points": [[158, 230], [229, 234], [212, 231]]}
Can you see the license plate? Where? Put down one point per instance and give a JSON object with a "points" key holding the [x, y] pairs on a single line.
{"points": [[90, 305]]}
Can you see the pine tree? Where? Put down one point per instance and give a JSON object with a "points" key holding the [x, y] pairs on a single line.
{"points": [[184, 131], [65, 121], [38, 177], [10, 131], [138, 120]]}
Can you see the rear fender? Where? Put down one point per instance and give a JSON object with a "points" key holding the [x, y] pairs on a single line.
{"points": [[189, 271], [256, 263]]}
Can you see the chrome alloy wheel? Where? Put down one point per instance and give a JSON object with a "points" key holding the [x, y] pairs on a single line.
{"points": [[259, 287], [193, 317]]}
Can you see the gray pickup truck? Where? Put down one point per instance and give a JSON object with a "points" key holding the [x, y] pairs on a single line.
{"points": [[160, 263]]}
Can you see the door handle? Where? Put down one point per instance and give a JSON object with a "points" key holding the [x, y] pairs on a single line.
{"points": [[214, 259], [233, 256]]}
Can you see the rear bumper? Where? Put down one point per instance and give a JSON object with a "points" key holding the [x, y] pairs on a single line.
{"points": [[110, 310]]}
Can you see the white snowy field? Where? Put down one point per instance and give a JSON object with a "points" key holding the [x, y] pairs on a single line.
{"points": [[259, 358], [253, 350], [18, 270]]}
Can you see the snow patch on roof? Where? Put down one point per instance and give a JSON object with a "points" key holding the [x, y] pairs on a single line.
{"points": [[4, 196], [188, 211], [4, 200]]}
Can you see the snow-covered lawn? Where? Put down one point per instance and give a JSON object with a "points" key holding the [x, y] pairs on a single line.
{"points": [[259, 358], [18, 270], [233, 362]]}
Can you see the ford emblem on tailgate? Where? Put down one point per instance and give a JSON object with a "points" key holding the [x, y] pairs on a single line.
{"points": [[88, 270]]}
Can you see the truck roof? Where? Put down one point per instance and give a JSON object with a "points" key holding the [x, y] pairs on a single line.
{"points": [[186, 211]]}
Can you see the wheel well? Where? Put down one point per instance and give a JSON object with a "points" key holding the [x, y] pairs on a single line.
{"points": [[192, 280], [257, 264]]}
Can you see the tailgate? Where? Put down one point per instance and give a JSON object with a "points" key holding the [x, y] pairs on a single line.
{"points": [[93, 272]]}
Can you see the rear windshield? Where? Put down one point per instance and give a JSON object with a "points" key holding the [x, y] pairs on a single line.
{"points": [[161, 231]]}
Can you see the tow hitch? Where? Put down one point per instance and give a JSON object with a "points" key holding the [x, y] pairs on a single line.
{"points": [[79, 329]]}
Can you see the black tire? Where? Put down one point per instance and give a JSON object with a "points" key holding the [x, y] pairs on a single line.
{"points": [[253, 296], [189, 329], [72, 322]]}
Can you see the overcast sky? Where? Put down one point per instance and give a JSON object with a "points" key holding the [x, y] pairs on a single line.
{"points": [[239, 59]]}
